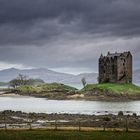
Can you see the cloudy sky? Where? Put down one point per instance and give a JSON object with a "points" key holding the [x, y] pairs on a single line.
{"points": [[67, 35]]}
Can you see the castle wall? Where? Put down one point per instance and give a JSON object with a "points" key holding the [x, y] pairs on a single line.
{"points": [[113, 70], [101, 71], [121, 78], [116, 69], [129, 68]]}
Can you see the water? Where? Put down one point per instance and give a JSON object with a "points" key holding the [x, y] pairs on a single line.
{"points": [[137, 83], [1, 87], [78, 85], [42, 105]]}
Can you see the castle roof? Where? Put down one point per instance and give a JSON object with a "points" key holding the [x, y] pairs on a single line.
{"points": [[113, 55], [109, 55]]}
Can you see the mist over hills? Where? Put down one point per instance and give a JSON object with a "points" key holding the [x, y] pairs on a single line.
{"points": [[53, 76], [136, 76], [47, 75]]}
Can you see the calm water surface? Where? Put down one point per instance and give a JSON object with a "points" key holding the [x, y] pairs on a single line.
{"points": [[42, 105]]}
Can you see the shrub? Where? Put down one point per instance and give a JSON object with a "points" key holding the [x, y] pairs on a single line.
{"points": [[107, 119], [134, 114], [120, 113]]}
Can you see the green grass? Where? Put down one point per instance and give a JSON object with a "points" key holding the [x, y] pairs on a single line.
{"points": [[4, 89], [56, 86], [117, 88], [66, 135], [45, 88]]}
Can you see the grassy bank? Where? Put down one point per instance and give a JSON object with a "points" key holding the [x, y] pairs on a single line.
{"points": [[49, 87], [66, 135], [114, 87], [57, 87], [48, 90], [105, 91]]}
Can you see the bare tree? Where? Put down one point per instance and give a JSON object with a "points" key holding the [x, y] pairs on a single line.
{"points": [[83, 80], [14, 83], [19, 81]]}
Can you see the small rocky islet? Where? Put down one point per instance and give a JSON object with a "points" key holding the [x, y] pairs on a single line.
{"points": [[58, 91]]}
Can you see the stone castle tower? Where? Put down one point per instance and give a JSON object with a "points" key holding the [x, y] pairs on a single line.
{"points": [[115, 68]]}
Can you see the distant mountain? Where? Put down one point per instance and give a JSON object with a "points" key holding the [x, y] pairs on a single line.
{"points": [[53, 76], [136, 76], [47, 75]]}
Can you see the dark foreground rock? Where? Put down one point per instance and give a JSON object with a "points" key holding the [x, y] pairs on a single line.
{"points": [[108, 121]]}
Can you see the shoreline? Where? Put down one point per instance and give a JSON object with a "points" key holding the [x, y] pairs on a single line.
{"points": [[77, 97], [18, 119], [10, 95], [91, 92]]}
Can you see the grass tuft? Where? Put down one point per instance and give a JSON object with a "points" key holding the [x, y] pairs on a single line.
{"points": [[49, 87], [114, 87]]}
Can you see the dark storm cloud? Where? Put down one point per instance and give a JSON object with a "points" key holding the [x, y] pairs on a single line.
{"points": [[21, 19], [36, 32]]}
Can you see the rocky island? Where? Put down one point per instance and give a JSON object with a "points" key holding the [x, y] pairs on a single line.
{"points": [[115, 83], [57, 91]]}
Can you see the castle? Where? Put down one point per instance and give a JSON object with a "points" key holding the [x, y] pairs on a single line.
{"points": [[115, 68]]}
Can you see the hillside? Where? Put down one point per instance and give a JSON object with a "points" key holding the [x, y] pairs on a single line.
{"points": [[41, 73], [136, 76], [51, 87], [110, 91], [106, 91], [116, 88], [48, 76], [50, 90]]}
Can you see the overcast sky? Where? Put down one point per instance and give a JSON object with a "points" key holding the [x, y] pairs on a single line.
{"points": [[67, 35]]}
